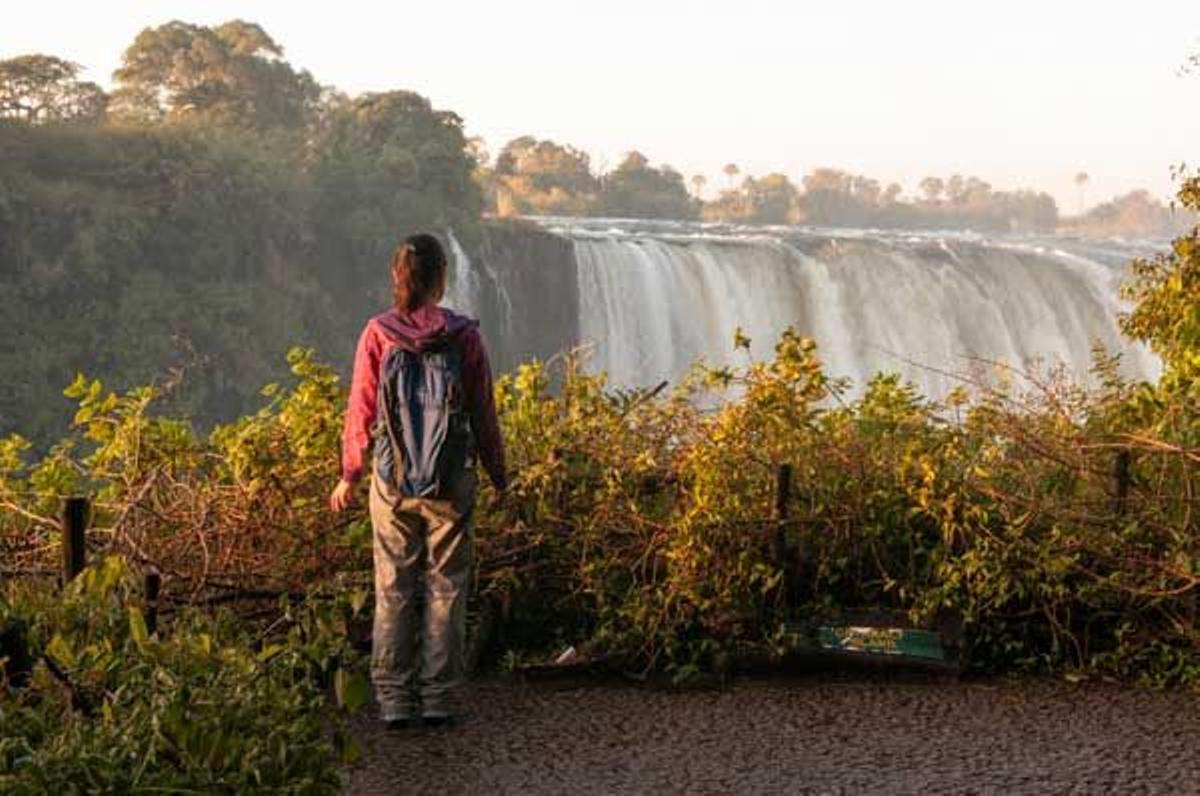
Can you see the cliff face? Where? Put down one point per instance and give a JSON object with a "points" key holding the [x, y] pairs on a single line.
{"points": [[529, 291]]}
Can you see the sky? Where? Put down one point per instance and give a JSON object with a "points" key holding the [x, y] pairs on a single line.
{"points": [[1020, 93]]}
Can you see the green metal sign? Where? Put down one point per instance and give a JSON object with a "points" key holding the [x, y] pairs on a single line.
{"points": [[883, 641]]}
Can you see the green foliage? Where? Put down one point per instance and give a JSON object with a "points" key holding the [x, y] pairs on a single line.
{"points": [[381, 164], [545, 178], [1135, 214], [771, 198], [635, 189], [130, 252], [1166, 316], [229, 75], [836, 198], [643, 524], [542, 178], [206, 704], [224, 216], [532, 176], [242, 507], [40, 89]]}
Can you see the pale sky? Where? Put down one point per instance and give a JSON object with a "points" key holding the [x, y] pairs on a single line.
{"points": [[1020, 93]]}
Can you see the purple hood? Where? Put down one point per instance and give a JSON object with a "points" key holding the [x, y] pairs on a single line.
{"points": [[424, 327]]}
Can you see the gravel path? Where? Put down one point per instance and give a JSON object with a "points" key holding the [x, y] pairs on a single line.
{"points": [[814, 734]]}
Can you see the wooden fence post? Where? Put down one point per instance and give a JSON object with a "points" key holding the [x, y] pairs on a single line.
{"points": [[152, 583], [1121, 481], [14, 647], [74, 540], [783, 492]]}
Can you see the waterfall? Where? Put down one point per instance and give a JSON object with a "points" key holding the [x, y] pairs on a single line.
{"points": [[927, 307], [463, 293], [479, 292], [650, 307], [651, 298]]}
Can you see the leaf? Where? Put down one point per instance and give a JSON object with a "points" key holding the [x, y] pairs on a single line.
{"points": [[348, 749], [358, 599], [61, 651], [270, 651], [351, 689], [137, 628], [740, 340]]}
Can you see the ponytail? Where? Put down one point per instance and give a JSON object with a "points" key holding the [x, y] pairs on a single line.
{"points": [[418, 273]]}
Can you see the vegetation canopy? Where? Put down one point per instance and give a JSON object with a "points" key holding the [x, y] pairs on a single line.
{"points": [[207, 216]]}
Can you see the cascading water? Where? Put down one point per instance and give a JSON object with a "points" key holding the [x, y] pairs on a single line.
{"points": [[463, 292], [655, 297], [471, 289]]}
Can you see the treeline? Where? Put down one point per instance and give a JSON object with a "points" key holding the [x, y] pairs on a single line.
{"points": [[1135, 214], [216, 208], [830, 197], [540, 177], [531, 176]]}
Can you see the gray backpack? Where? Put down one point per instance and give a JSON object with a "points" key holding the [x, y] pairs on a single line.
{"points": [[422, 435]]}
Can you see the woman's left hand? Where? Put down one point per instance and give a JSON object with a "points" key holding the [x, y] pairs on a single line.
{"points": [[342, 494]]}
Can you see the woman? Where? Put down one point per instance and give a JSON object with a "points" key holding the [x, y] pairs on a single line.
{"points": [[421, 396]]}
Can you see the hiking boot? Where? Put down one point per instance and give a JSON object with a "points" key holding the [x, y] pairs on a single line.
{"points": [[440, 718], [400, 720]]}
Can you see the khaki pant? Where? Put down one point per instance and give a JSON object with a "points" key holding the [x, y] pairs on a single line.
{"points": [[422, 573]]}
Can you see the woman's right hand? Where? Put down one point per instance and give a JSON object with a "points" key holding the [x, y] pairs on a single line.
{"points": [[341, 496]]}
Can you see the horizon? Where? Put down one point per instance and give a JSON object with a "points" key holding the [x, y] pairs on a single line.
{"points": [[1028, 104]]}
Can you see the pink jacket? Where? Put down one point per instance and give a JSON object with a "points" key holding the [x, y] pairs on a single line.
{"points": [[416, 332]]}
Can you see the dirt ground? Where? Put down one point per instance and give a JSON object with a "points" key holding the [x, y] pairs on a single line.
{"points": [[822, 733]]}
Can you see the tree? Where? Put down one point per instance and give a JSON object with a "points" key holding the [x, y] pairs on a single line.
{"points": [[932, 187], [1136, 213], [478, 150], [976, 193], [199, 246], [383, 163], [731, 170], [956, 189], [828, 180], [829, 198], [233, 74], [772, 199], [1165, 294], [167, 246], [1081, 181], [866, 190], [38, 89], [698, 183], [635, 189], [544, 177]]}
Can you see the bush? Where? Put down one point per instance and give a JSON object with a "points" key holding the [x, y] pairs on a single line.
{"points": [[205, 705]]}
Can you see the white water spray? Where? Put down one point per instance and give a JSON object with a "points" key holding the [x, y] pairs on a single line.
{"points": [[653, 302], [463, 293], [655, 297]]}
